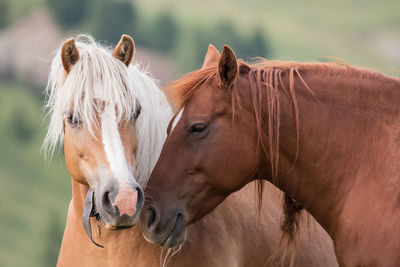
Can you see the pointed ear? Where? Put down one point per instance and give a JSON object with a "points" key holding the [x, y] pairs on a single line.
{"points": [[125, 49], [212, 56], [69, 54], [227, 66]]}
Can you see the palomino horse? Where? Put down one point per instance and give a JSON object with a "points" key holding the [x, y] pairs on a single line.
{"points": [[95, 96], [325, 134]]}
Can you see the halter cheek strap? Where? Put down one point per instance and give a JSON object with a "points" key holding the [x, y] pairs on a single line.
{"points": [[88, 211]]}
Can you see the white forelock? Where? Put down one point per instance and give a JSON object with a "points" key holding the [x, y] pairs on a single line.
{"points": [[151, 126], [99, 75]]}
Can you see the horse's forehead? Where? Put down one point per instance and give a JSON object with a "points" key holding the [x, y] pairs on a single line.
{"points": [[106, 116], [100, 103], [211, 92], [205, 100]]}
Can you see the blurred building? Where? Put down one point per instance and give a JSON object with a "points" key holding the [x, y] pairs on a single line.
{"points": [[27, 47]]}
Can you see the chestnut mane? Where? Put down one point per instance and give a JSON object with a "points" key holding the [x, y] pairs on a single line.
{"points": [[266, 79], [266, 84]]}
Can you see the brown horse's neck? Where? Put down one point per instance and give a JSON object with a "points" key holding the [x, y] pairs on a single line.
{"points": [[347, 134]]}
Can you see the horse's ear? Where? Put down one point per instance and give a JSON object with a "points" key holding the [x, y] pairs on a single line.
{"points": [[69, 54], [125, 49], [227, 66], [212, 56]]}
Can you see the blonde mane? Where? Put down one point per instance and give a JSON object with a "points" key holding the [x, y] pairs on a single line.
{"points": [[99, 75]]}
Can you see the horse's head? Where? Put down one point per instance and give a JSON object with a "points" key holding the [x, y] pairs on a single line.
{"points": [[209, 153], [94, 109]]}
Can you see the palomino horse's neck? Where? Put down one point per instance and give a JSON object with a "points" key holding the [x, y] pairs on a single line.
{"points": [[347, 172], [79, 192]]}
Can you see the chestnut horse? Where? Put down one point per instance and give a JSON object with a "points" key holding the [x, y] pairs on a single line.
{"points": [[328, 135], [112, 118]]}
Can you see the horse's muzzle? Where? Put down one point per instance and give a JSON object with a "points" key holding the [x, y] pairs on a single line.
{"points": [[166, 233], [117, 206]]}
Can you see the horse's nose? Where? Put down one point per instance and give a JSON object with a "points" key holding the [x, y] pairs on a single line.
{"points": [[166, 230], [150, 217], [124, 198]]}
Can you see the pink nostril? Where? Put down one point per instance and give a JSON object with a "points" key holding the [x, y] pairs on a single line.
{"points": [[126, 200]]}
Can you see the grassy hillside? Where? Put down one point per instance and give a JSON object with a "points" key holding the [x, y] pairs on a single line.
{"points": [[34, 198], [365, 33]]}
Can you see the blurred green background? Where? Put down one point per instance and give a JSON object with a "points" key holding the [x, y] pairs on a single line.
{"points": [[172, 38]]}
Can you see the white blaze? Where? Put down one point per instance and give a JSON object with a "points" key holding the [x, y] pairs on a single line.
{"points": [[177, 119], [113, 145]]}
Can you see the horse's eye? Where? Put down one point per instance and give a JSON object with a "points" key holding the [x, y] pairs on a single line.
{"points": [[137, 113], [197, 128], [73, 121]]}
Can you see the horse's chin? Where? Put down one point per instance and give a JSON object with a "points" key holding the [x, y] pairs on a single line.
{"points": [[117, 227], [90, 210], [118, 223], [174, 239], [168, 239]]}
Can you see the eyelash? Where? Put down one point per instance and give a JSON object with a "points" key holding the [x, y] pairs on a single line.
{"points": [[197, 128], [137, 113]]}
